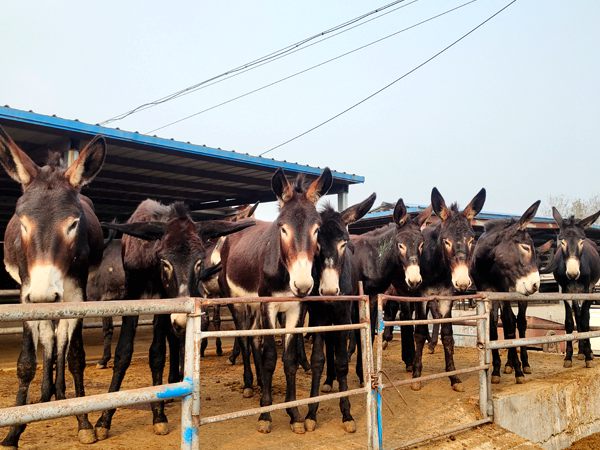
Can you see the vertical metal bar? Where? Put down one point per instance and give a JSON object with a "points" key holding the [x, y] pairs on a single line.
{"points": [[488, 356], [483, 394], [363, 308], [343, 201], [187, 428], [379, 366], [196, 377]]}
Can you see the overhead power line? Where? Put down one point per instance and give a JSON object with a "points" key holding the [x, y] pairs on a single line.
{"points": [[295, 74], [387, 86], [285, 51]]}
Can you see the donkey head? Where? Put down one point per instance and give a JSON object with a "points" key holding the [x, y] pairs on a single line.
{"points": [[571, 236], [457, 237], [298, 226], [332, 243], [409, 242], [49, 222], [180, 251]]}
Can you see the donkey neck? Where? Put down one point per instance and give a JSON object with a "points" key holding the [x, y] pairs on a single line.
{"points": [[378, 261]]}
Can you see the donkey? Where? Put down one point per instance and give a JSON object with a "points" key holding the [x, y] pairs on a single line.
{"points": [[52, 242], [275, 259], [107, 283], [163, 256], [211, 285], [390, 254], [333, 270], [445, 263], [505, 261], [576, 268]]}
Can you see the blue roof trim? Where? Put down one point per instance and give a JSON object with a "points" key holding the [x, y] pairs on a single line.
{"points": [[482, 215], [17, 115]]}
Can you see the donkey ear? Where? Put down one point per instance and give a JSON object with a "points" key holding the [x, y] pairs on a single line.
{"points": [[423, 216], [356, 212], [320, 186], [272, 258], [88, 164], [208, 273], [557, 217], [545, 247], [212, 229], [15, 161], [280, 186], [148, 231], [400, 213], [439, 205], [589, 220], [528, 215], [249, 212], [475, 206]]}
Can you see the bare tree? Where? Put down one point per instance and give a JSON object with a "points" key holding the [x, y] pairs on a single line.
{"points": [[567, 206]]}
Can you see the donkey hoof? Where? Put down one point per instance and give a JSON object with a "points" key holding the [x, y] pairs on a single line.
{"points": [[310, 425], [264, 426], [326, 388], [248, 392], [495, 379], [567, 363], [520, 380], [409, 368], [350, 426], [458, 387], [298, 427], [580, 356], [384, 345], [361, 384], [416, 386], [431, 349], [101, 365], [508, 369], [86, 436], [527, 369], [101, 433], [588, 364], [161, 428]]}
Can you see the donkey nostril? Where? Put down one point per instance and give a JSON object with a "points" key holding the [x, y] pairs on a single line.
{"points": [[56, 297], [28, 298]]}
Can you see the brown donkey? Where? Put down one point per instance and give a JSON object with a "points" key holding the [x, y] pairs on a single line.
{"points": [[275, 259], [52, 242]]}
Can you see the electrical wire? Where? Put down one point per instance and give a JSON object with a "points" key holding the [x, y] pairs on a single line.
{"points": [[387, 86], [253, 91], [273, 56]]}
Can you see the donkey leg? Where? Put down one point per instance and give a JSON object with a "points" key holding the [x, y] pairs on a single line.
{"points": [[420, 337], [448, 343], [174, 341], [569, 326], [157, 356], [217, 325], [522, 327], [291, 360], [123, 354], [390, 310], [585, 326], [407, 333], [107, 333], [330, 355], [509, 324], [235, 352], [76, 361], [341, 367], [496, 362], [26, 366], [317, 361], [435, 329], [269, 361]]}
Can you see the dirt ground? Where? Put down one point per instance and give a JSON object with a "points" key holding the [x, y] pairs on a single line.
{"points": [[433, 408]]}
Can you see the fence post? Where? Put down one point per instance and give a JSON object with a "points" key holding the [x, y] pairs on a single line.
{"points": [[189, 426], [483, 374], [379, 366]]}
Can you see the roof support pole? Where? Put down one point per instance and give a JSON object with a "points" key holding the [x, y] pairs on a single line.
{"points": [[73, 153], [342, 200]]}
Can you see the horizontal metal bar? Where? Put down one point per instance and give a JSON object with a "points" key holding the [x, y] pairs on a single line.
{"points": [[446, 432], [81, 405], [391, 323], [403, 299], [530, 326], [279, 331], [435, 376], [10, 293], [539, 297], [521, 342], [278, 406], [229, 301], [64, 310], [94, 325]]}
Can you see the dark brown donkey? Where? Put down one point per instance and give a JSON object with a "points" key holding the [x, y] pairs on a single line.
{"points": [[389, 255], [51, 243], [275, 259], [505, 261], [163, 256], [576, 267], [333, 270], [445, 267]]}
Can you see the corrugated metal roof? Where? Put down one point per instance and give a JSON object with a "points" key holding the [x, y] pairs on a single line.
{"points": [[139, 166]]}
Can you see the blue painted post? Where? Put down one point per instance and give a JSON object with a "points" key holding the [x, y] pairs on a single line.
{"points": [[189, 429]]}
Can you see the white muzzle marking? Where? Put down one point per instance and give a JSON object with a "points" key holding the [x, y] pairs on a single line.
{"points": [[460, 278], [573, 268], [46, 284], [413, 276], [301, 281], [178, 321], [330, 282], [528, 284]]}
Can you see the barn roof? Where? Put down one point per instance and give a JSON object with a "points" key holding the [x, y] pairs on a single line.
{"points": [[139, 166]]}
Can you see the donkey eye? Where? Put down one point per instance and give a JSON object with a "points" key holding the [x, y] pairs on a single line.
{"points": [[73, 226], [23, 229], [448, 244], [421, 247], [470, 242], [580, 244], [526, 248], [166, 267], [563, 243], [198, 266], [402, 248], [284, 231]]}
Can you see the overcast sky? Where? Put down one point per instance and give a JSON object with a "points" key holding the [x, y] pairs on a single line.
{"points": [[515, 107]]}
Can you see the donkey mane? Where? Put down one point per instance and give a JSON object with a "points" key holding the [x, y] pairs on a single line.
{"points": [[55, 160], [498, 224], [570, 221], [327, 212]]}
